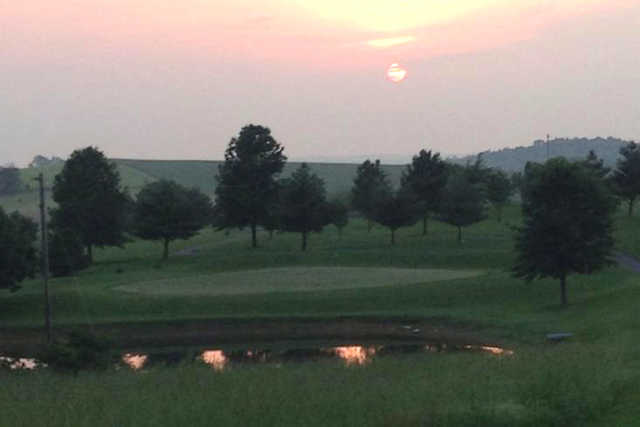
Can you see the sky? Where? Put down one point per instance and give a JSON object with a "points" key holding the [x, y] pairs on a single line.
{"points": [[166, 79]]}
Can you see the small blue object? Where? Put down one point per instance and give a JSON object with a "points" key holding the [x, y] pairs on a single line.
{"points": [[559, 336]]}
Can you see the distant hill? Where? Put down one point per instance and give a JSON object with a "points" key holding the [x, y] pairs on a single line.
{"points": [[514, 159]]}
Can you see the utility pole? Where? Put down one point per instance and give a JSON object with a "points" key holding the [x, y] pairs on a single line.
{"points": [[45, 260]]}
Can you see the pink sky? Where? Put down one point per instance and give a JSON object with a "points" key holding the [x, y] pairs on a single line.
{"points": [[167, 79]]}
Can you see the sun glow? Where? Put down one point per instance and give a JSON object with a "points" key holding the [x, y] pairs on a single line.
{"points": [[215, 358], [385, 15], [389, 42], [355, 355], [396, 73]]}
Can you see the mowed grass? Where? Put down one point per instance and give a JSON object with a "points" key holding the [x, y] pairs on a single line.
{"points": [[293, 279], [590, 380]]}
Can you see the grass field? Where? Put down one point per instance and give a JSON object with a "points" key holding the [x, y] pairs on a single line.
{"points": [[590, 380]]}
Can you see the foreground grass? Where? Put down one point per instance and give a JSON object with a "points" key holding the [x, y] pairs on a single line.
{"points": [[566, 385]]}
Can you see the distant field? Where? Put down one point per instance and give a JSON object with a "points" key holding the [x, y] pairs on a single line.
{"points": [[338, 177], [293, 279]]}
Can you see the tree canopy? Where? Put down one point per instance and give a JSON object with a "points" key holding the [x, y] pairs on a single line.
{"points": [[369, 186], [463, 202], [567, 222], [626, 177], [247, 189], [167, 211], [10, 182], [499, 190], [18, 256], [90, 200], [397, 209], [426, 177], [303, 203]]}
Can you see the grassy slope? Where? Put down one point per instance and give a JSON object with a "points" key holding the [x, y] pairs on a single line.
{"points": [[338, 177], [592, 380]]}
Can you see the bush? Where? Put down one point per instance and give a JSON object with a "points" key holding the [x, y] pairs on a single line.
{"points": [[81, 351]]}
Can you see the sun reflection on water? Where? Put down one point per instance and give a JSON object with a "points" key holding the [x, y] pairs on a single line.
{"points": [[355, 355], [135, 361], [215, 358]]}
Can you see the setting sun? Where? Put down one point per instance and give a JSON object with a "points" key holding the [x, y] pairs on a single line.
{"points": [[396, 73]]}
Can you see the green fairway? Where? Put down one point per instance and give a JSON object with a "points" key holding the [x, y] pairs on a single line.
{"points": [[215, 287], [293, 279]]}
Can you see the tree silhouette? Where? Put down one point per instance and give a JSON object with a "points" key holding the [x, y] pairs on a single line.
{"points": [[247, 180], [463, 202], [167, 211], [303, 204], [369, 186], [626, 177], [426, 177], [567, 226], [18, 257], [396, 210], [90, 200], [499, 190]]}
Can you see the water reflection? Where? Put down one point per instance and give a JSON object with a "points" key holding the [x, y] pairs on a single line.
{"points": [[135, 361], [215, 358], [354, 355], [20, 363], [498, 351]]}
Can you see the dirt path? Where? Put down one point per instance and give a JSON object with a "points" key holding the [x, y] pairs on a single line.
{"points": [[627, 261]]}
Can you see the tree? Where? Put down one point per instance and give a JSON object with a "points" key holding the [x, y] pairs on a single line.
{"points": [[369, 186], [303, 203], [596, 165], [499, 190], [567, 224], [337, 214], [18, 256], [90, 200], [463, 202], [626, 177], [397, 210], [10, 182], [167, 211], [246, 181], [426, 177], [66, 252]]}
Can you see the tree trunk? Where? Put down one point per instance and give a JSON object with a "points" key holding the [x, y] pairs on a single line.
{"points": [[424, 225], [499, 209], [254, 239], [393, 237], [631, 206], [90, 252], [369, 225], [165, 253], [563, 290], [304, 240], [459, 234], [270, 234]]}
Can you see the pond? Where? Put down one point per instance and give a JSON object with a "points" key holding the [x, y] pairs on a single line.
{"points": [[220, 359]]}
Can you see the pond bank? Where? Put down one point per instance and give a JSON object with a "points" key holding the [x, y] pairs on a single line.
{"points": [[20, 341]]}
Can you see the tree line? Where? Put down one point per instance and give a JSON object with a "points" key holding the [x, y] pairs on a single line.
{"points": [[567, 206]]}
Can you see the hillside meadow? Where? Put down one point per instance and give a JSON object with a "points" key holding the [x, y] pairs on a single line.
{"points": [[355, 285]]}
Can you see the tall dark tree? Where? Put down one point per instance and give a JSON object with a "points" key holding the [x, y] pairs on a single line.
{"points": [[426, 177], [499, 190], [246, 181], [10, 182], [567, 225], [91, 201], [626, 177], [396, 210], [167, 211], [303, 203], [369, 186], [463, 202], [18, 256]]}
